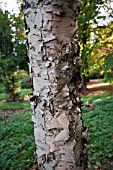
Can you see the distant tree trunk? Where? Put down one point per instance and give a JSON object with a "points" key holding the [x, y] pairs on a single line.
{"points": [[84, 85], [54, 64]]}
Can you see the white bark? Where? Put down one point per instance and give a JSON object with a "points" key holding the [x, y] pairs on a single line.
{"points": [[55, 69]]}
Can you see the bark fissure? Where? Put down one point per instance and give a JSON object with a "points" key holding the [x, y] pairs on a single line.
{"points": [[54, 58]]}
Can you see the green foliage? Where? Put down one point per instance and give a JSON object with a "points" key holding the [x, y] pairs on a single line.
{"points": [[25, 82], [6, 46], [17, 138], [2, 96], [86, 16], [108, 68], [26, 92], [103, 52], [17, 145], [1, 88], [95, 39], [12, 53], [13, 105], [100, 124], [12, 83], [108, 64], [25, 79]]}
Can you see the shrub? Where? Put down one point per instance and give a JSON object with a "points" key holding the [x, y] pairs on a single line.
{"points": [[25, 82], [12, 82], [25, 79]]}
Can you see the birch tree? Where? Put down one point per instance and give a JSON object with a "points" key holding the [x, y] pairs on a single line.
{"points": [[54, 64]]}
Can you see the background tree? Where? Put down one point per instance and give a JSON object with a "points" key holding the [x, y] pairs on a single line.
{"points": [[54, 62], [102, 55], [91, 18], [12, 51]]}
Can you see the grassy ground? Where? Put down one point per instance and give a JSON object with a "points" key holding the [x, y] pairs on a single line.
{"points": [[100, 123], [17, 139], [16, 136]]}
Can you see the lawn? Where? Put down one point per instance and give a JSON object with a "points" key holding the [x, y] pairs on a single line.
{"points": [[17, 138], [100, 123]]}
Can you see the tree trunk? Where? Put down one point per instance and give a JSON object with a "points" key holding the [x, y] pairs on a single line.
{"points": [[84, 85], [54, 64]]}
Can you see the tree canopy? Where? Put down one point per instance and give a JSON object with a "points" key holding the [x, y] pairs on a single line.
{"points": [[95, 38], [12, 52]]}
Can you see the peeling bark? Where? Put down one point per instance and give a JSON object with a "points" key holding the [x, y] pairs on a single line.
{"points": [[54, 64]]}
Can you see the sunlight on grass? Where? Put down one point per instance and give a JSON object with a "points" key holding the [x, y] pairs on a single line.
{"points": [[97, 85]]}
